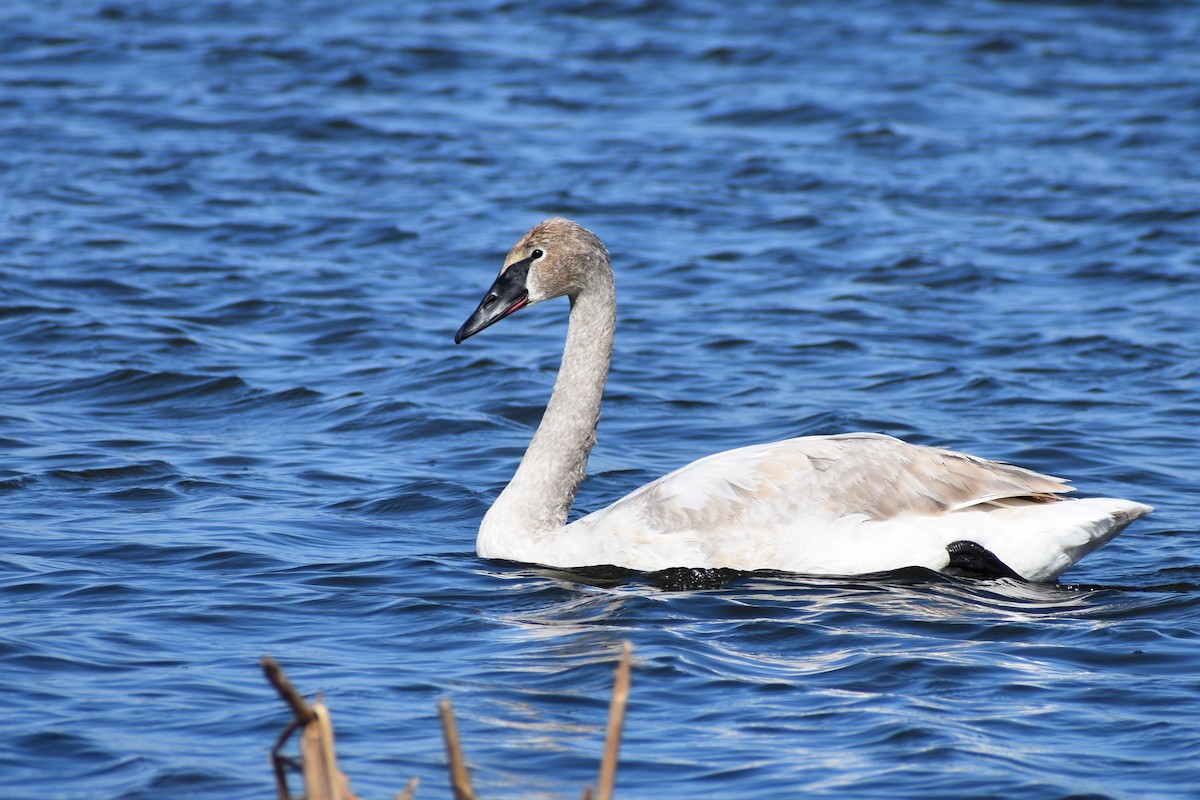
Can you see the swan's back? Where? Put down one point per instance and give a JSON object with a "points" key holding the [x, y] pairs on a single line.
{"points": [[868, 476]]}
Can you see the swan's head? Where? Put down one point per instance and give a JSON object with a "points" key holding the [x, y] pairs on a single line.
{"points": [[556, 258]]}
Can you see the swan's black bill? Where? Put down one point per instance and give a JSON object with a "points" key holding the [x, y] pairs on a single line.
{"points": [[508, 294]]}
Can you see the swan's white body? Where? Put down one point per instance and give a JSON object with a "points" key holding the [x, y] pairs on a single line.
{"points": [[818, 505]]}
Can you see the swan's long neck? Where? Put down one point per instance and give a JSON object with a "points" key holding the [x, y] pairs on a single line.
{"points": [[540, 494]]}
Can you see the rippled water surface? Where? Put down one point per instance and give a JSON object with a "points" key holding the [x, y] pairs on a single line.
{"points": [[238, 238]]}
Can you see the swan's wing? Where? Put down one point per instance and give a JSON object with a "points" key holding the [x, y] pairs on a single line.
{"points": [[858, 475]]}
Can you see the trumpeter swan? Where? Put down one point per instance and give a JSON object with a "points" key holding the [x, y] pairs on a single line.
{"points": [[848, 504]]}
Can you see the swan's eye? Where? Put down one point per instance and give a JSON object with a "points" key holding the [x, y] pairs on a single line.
{"points": [[536, 254]]}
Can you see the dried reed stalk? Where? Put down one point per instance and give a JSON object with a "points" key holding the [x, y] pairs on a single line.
{"points": [[323, 780], [460, 781], [616, 723], [410, 790]]}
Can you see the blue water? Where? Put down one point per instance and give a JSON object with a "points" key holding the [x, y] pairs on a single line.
{"points": [[237, 238]]}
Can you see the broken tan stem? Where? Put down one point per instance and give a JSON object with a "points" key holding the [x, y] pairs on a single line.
{"points": [[410, 790], [616, 722], [301, 710], [460, 781]]}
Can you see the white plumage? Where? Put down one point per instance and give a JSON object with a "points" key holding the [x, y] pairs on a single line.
{"points": [[820, 505]]}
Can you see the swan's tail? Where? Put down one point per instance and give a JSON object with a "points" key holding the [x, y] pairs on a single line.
{"points": [[1053, 536]]}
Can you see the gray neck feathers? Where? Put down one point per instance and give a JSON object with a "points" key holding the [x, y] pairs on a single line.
{"points": [[541, 492]]}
